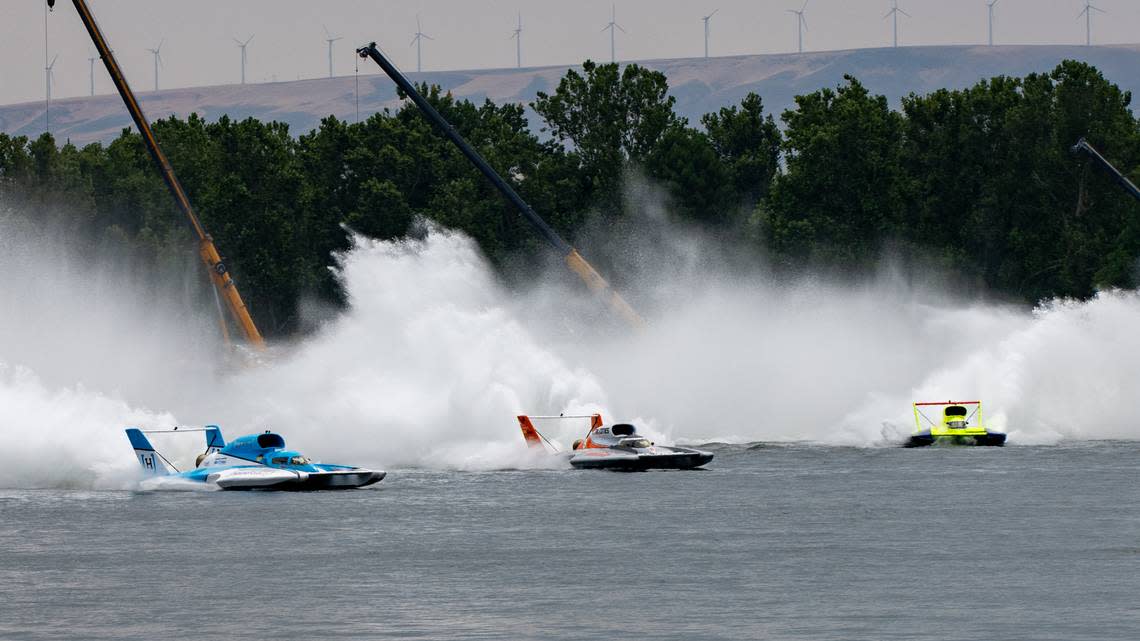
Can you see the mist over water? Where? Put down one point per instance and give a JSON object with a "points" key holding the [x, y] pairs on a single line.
{"points": [[435, 356], [428, 368]]}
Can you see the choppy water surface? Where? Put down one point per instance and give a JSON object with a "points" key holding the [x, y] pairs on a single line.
{"points": [[772, 542]]}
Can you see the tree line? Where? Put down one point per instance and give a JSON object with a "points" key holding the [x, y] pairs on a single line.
{"points": [[978, 181]]}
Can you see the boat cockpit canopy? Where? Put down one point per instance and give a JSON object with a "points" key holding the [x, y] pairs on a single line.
{"points": [[290, 460]]}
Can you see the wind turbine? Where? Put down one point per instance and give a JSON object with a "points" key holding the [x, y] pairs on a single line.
{"points": [[1087, 13], [991, 5], [801, 24], [517, 36], [418, 41], [157, 52], [611, 27], [242, 46], [706, 21], [329, 39], [895, 11], [49, 77]]}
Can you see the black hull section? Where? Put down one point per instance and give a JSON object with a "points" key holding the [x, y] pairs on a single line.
{"points": [[645, 462], [992, 439], [349, 480]]}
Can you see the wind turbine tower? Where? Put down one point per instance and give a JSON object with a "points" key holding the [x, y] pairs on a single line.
{"points": [[611, 27], [242, 45], [894, 12], [330, 40], [706, 21], [801, 24], [419, 40], [157, 53], [1087, 13], [91, 61], [47, 75], [991, 6], [517, 35]]}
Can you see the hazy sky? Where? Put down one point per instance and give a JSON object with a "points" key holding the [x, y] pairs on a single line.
{"points": [[289, 39]]}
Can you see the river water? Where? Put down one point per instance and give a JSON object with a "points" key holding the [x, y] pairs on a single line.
{"points": [[771, 542]]}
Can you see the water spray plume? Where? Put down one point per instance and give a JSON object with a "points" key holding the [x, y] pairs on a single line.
{"points": [[434, 358]]}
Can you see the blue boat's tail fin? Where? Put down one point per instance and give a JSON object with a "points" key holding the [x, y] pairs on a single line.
{"points": [[214, 440], [151, 461]]}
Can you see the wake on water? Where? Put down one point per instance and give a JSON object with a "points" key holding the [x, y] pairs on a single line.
{"points": [[434, 358]]}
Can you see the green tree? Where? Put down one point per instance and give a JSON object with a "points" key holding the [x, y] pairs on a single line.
{"points": [[700, 183], [839, 197], [748, 142], [608, 116], [992, 187], [15, 160]]}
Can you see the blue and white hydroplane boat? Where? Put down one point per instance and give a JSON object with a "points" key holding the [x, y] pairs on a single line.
{"points": [[254, 462]]}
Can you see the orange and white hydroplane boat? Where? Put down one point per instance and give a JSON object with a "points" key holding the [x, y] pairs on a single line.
{"points": [[615, 447]]}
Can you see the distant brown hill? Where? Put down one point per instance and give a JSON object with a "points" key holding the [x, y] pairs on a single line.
{"points": [[700, 86]]}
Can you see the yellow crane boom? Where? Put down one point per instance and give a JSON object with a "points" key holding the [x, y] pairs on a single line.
{"points": [[219, 275], [590, 276]]}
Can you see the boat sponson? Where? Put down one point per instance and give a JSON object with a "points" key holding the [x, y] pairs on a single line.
{"points": [[333, 480], [682, 460], [926, 439]]}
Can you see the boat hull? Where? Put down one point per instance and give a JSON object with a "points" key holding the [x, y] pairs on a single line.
{"points": [[626, 461], [926, 439], [337, 480], [287, 480]]}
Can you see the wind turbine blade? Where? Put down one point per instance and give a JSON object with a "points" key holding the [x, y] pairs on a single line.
{"points": [[805, 5], [239, 42], [413, 42], [250, 39], [889, 13], [427, 36], [620, 27], [804, 21], [327, 34], [53, 61], [609, 26], [713, 13], [905, 13]]}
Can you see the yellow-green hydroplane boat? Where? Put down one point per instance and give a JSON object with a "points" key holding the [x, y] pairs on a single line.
{"points": [[959, 426]]}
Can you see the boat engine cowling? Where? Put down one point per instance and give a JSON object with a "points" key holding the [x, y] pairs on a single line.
{"points": [[623, 429], [269, 440]]}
